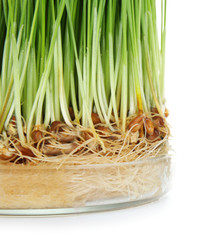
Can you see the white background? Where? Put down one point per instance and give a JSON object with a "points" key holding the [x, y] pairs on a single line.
{"points": [[194, 207]]}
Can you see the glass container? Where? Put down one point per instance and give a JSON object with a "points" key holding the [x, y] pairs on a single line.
{"points": [[45, 190]]}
